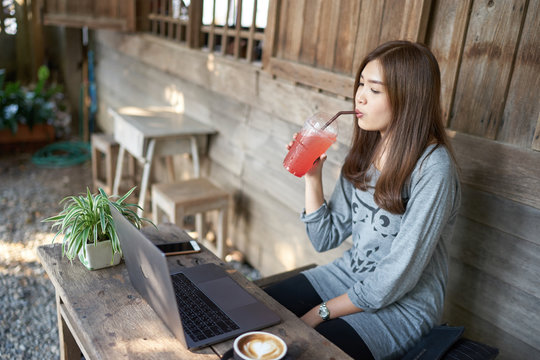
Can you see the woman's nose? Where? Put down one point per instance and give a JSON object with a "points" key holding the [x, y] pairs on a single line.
{"points": [[360, 98]]}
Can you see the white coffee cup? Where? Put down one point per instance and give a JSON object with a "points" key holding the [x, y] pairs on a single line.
{"points": [[259, 345]]}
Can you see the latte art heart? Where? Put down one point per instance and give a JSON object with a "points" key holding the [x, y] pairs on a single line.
{"points": [[262, 349], [260, 346]]}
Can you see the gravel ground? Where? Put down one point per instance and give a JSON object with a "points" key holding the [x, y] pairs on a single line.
{"points": [[29, 194]]}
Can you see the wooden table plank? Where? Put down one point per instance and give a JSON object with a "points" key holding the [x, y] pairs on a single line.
{"points": [[110, 320], [117, 320]]}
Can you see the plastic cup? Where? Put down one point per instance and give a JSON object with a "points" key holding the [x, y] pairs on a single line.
{"points": [[310, 143]]}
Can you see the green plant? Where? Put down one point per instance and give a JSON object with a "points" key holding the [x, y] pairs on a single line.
{"points": [[19, 105], [87, 219]]}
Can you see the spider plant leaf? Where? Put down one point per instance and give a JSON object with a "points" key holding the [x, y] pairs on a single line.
{"points": [[126, 195]]}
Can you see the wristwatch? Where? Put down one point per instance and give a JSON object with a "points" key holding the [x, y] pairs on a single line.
{"points": [[324, 313]]}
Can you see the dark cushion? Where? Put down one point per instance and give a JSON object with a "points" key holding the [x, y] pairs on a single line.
{"points": [[445, 342], [465, 349], [435, 343]]}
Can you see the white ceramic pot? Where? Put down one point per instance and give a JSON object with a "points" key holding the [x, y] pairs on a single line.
{"points": [[99, 255]]}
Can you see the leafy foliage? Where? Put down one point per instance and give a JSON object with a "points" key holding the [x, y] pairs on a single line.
{"points": [[19, 105], [87, 219]]}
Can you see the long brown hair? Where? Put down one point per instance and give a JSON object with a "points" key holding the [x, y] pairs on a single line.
{"points": [[413, 85]]}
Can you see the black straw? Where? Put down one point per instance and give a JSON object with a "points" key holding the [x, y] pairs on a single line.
{"points": [[335, 117]]}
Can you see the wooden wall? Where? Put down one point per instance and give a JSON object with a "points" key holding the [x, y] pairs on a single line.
{"points": [[489, 57]]}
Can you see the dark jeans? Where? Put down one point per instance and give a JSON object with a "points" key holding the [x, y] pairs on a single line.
{"points": [[297, 295]]}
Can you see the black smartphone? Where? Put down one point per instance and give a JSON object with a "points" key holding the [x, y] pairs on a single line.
{"points": [[178, 248]]}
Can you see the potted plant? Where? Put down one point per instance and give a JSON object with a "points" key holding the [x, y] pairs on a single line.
{"points": [[28, 113], [89, 230]]}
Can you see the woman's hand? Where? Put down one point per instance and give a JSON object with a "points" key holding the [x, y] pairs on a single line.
{"points": [[313, 180], [312, 318], [338, 307], [316, 170]]}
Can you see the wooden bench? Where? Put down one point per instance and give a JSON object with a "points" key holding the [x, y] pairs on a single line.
{"points": [[104, 154], [193, 197], [274, 279], [428, 346]]}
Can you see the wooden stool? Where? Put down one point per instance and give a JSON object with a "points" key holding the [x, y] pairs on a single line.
{"points": [[104, 154], [192, 197]]}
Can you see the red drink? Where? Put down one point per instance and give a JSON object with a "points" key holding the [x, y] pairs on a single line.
{"points": [[309, 144]]}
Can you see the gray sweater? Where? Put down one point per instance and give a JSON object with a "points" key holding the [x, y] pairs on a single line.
{"points": [[396, 270]]}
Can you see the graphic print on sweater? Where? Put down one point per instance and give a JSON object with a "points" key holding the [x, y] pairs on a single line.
{"points": [[365, 260]]}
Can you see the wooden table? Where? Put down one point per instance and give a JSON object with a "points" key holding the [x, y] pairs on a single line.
{"points": [[146, 134], [101, 315]]}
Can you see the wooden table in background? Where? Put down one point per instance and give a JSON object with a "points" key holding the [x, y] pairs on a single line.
{"points": [[146, 134], [101, 315]]}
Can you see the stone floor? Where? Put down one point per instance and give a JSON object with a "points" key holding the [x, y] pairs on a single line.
{"points": [[28, 194]]}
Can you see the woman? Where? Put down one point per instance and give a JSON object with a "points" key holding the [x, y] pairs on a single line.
{"points": [[397, 197]]}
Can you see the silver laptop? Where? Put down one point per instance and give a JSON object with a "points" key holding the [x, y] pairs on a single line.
{"points": [[201, 305]]}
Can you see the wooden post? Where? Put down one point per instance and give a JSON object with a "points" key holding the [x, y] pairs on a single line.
{"points": [[68, 346], [270, 32], [225, 29], [251, 39], [211, 34], [193, 36], [36, 37], [24, 68], [85, 98], [238, 27]]}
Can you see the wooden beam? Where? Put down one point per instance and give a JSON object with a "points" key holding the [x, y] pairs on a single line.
{"points": [[79, 21], [319, 78], [496, 167], [243, 33]]}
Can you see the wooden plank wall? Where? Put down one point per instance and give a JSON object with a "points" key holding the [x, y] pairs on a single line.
{"points": [[489, 57], [322, 40]]}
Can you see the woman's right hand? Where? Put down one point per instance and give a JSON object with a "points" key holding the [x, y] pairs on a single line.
{"points": [[313, 178], [316, 170]]}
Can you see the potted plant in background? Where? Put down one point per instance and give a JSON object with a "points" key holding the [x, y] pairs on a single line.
{"points": [[30, 114], [89, 230]]}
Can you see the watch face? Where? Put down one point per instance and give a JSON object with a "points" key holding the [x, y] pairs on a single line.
{"points": [[323, 312]]}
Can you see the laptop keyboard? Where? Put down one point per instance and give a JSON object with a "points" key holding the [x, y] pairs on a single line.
{"points": [[201, 318]]}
